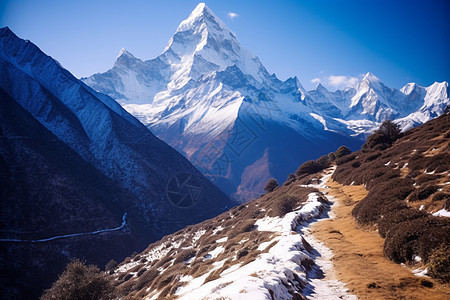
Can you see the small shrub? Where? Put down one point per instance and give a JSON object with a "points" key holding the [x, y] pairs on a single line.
{"points": [[146, 278], [332, 156], [397, 216], [284, 204], [373, 156], [423, 192], [416, 237], [324, 161], [439, 264], [80, 281], [135, 268], [342, 151], [440, 196], [212, 276], [356, 164], [425, 178], [185, 255], [271, 185], [290, 179], [345, 159], [241, 253], [248, 226], [141, 271], [111, 265], [309, 167], [383, 137]]}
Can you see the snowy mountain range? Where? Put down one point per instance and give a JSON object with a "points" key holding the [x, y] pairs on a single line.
{"points": [[79, 176], [215, 102]]}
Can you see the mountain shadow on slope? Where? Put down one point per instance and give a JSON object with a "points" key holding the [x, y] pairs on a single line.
{"points": [[47, 190], [94, 163]]}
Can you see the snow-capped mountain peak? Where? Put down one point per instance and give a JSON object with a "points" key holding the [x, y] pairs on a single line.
{"points": [[124, 52], [205, 87], [203, 44], [369, 77], [202, 29], [408, 88], [125, 58], [320, 87], [200, 17]]}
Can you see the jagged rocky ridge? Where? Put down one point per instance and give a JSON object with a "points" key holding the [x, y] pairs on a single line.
{"points": [[74, 162], [215, 102]]}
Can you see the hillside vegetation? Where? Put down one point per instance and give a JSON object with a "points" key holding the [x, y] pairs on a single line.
{"points": [[409, 191]]}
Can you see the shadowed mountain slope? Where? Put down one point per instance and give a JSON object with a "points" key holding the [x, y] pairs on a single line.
{"points": [[75, 162]]}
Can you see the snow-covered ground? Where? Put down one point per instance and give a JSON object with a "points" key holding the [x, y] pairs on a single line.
{"points": [[282, 270]]}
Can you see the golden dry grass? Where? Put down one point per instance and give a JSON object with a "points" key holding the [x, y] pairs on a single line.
{"points": [[358, 255]]}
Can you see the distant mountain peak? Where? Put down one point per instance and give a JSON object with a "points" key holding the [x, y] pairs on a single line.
{"points": [[124, 52], [125, 58], [320, 87], [369, 77], [203, 30], [408, 88], [202, 44], [202, 18], [5, 29], [205, 87]]}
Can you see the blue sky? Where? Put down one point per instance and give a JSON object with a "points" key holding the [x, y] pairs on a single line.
{"points": [[332, 42]]}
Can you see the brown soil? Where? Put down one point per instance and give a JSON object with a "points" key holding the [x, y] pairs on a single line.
{"points": [[358, 255]]}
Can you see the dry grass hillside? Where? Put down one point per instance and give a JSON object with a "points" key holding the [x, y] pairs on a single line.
{"points": [[358, 256], [207, 249], [409, 194]]}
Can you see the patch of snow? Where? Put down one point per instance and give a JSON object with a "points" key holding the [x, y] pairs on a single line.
{"points": [[320, 119], [279, 271], [442, 213], [218, 250], [420, 272], [219, 228], [198, 235], [222, 240], [185, 278], [243, 241], [264, 245]]}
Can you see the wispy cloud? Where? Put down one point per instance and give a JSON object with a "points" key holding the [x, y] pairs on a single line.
{"points": [[342, 81], [316, 80], [232, 15], [336, 81]]}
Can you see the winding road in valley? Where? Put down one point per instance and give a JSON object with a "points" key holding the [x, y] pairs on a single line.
{"points": [[124, 223]]}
